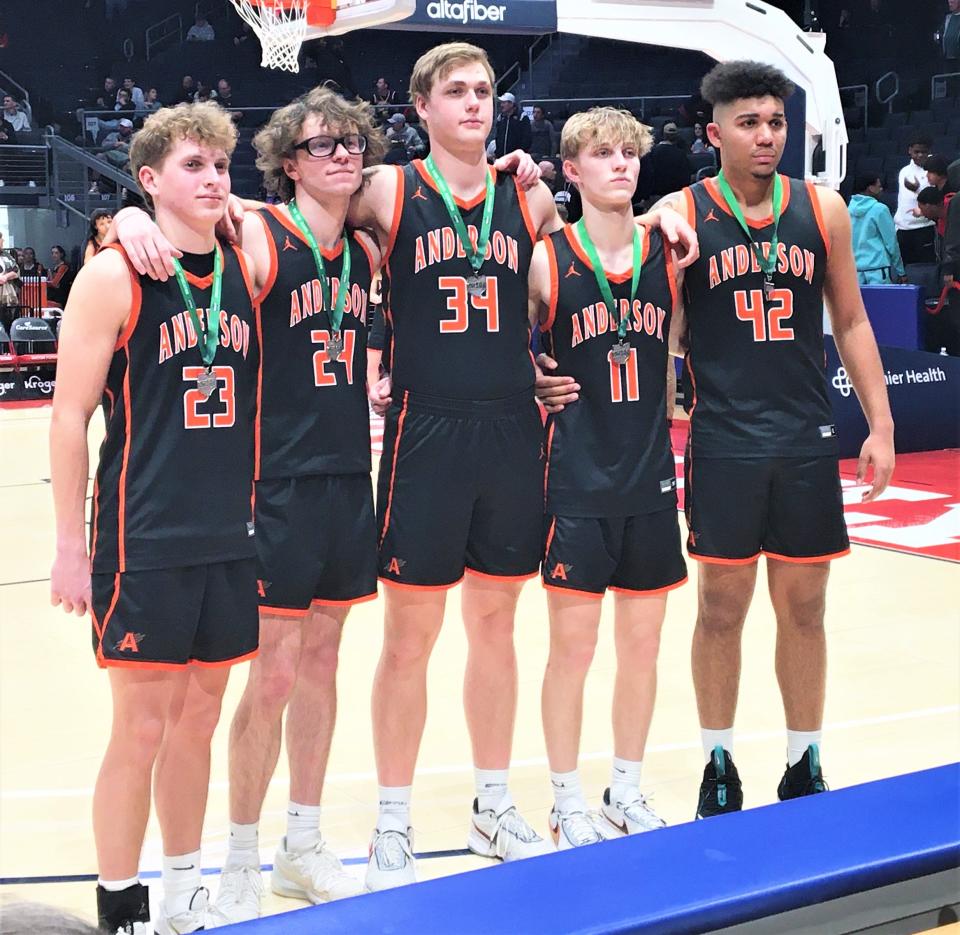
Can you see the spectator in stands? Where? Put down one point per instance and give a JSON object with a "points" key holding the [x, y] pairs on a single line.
{"points": [[9, 283], [124, 105], [950, 34], [565, 194], [914, 233], [668, 163], [700, 142], [29, 267], [204, 92], [13, 115], [244, 39], [8, 137], [694, 110], [151, 103], [943, 328], [201, 30], [187, 91], [543, 135], [399, 134], [116, 145], [383, 98], [59, 276], [224, 98], [136, 94], [938, 170], [107, 97], [512, 129], [100, 222], [875, 247]]}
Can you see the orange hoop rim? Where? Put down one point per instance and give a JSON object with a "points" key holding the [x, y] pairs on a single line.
{"points": [[318, 12]]}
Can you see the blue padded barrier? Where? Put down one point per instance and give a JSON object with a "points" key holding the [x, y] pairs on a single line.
{"points": [[688, 878], [896, 314]]}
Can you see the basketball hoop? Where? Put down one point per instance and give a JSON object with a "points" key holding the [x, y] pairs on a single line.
{"points": [[282, 25]]}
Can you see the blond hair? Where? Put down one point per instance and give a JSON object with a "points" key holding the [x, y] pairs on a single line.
{"points": [[205, 123], [609, 125], [438, 62], [276, 142]]}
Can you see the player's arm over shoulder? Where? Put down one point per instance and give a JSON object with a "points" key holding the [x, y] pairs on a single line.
{"points": [[100, 308], [538, 280], [374, 204]]}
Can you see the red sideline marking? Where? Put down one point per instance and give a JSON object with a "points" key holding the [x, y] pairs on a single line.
{"points": [[376, 433], [26, 404], [918, 514]]}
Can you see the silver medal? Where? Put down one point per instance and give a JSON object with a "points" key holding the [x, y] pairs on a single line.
{"points": [[207, 383], [335, 345], [768, 288], [476, 285], [620, 352]]}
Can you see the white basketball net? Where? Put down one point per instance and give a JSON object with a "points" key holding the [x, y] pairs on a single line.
{"points": [[280, 27]]}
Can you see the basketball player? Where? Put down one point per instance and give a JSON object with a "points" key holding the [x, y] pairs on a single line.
{"points": [[316, 530], [761, 466], [603, 293], [172, 591]]}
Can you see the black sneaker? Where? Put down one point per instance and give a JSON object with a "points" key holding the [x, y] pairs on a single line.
{"points": [[720, 791], [804, 777], [126, 912]]}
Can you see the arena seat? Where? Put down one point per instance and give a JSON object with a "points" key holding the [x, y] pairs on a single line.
{"points": [[33, 341], [694, 877]]}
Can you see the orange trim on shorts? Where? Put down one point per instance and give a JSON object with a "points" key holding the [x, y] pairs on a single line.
{"points": [[485, 574], [713, 190], [806, 559], [122, 499], [524, 210], [652, 591], [372, 596], [818, 214], [546, 469], [554, 284], [553, 529], [232, 661], [714, 560], [397, 212], [175, 666], [100, 631], [271, 277], [554, 587], [283, 611], [257, 427], [420, 587], [393, 466]]}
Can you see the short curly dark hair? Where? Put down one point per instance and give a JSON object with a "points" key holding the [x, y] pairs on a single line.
{"points": [[735, 81]]}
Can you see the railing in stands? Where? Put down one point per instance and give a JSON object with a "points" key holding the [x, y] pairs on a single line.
{"points": [[24, 93], [861, 99], [23, 167], [161, 34], [888, 99], [72, 174], [939, 84], [538, 47], [512, 72], [608, 100]]}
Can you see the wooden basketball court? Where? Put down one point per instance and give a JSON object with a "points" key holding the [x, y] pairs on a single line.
{"points": [[892, 706]]}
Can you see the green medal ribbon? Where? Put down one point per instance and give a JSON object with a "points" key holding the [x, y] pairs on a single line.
{"points": [[475, 256], [209, 334], [335, 313], [769, 263], [601, 277]]}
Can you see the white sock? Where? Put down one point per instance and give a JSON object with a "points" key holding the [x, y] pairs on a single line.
{"points": [[567, 792], [117, 886], [244, 850], [394, 808], [716, 738], [181, 879], [797, 743], [491, 787], [625, 780], [303, 827]]}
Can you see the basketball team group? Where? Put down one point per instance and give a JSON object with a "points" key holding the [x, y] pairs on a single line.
{"points": [[233, 514]]}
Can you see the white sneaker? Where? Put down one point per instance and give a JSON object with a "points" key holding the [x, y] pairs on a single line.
{"points": [[315, 875], [391, 860], [506, 836], [631, 817], [573, 829], [239, 895], [199, 916]]}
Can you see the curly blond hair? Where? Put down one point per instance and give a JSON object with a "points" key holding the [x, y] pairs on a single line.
{"points": [[609, 125], [435, 64], [205, 123], [275, 142]]}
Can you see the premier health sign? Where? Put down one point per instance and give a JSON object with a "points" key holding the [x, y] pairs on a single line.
{"points": [[534, 16]]}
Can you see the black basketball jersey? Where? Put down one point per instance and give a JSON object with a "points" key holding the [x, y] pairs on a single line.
{"points": [[175, 480], [447, 342], [756, 365], [313, 410], [608, 454]]}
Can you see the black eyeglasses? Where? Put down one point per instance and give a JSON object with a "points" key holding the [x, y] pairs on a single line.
{"points": [[323, 146]]}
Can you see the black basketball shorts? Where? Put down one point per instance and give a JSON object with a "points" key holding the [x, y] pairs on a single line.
{"points": [[460, 489], [633, 554], [168, 618], [316, 542], [785, 508]]}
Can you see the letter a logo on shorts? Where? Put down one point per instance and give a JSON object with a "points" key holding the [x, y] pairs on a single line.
{"points": [[560, 571], [394, 565], [129, 642]]}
